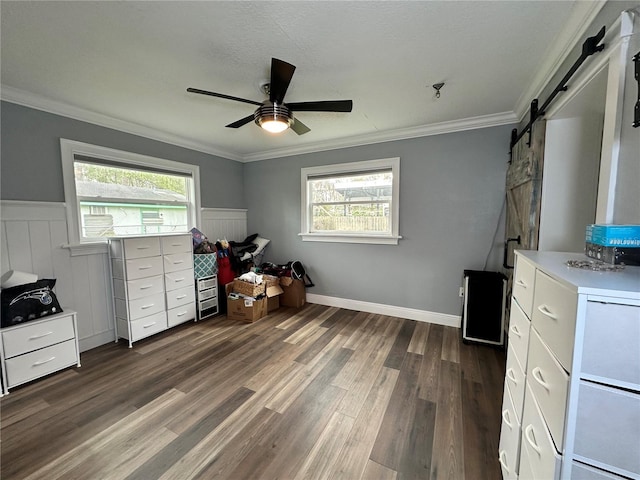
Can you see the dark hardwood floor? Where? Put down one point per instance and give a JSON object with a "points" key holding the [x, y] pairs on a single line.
{"points": [[314, 393]]}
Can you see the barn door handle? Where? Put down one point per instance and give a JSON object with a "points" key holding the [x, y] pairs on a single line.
{"points": [[506, 251]]}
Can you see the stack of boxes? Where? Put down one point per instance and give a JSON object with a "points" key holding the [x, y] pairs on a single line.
{"points": [[614, 244]]}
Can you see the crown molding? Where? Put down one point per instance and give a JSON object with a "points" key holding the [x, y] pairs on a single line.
{"points": [[20, 97], [584, 13], [38, 102], [471, 123]]}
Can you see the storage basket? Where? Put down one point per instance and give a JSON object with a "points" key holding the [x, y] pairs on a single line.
{"points": [[248, 289]]}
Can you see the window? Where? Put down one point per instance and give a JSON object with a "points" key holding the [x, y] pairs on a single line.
{"points": [[351, 202], [111, 193]]}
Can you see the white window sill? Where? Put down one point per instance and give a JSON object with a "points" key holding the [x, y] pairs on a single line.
{"points": [[351, 238], [89, 248]]}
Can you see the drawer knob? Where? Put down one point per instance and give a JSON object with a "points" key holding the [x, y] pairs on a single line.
{"points": [[144, 307], [145, 267], [181, 314], [531, 439], [505, 417], [145, 287], [180, 297], [42, 362], [503, 460], [179, 280], [545, 311], [512, 376], [149, 325], [514, 329], [537, 375], [40, 335], [143, 247], [521, 283]]}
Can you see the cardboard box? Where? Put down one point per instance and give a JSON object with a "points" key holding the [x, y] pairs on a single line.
{"points": [[245, 309], [294, 293], [613, 235], [274, 290]]}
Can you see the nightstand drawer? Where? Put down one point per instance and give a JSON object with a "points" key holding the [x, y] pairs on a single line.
{"points": [[177, 261], [549, 384], [30, 366], [519, 326], [180, 279], [611, 351], [28, 337], [523, 283], [141, 247], [515, 379], [181, 296], [607, 427], [177, 244], [554, 317], [143, 267], [181, 314], [509, 447], [543, 460]]}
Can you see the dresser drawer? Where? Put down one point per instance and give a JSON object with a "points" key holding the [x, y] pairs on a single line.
{"points": [[509, 447], [180, 279], [554, 317], [143, 327], [549, 383], [143, 307], [608, 427], [142, 287], [207, 294], [580, 471], [177, 244], [525, 472], [543, 460], [178, 261], [181, 296], [523, 284], [141, 247], [32, 336], [515, 379], [519, 326], [143, 267], [205, 284], [181, 314], [30, 366], [611, 348]]}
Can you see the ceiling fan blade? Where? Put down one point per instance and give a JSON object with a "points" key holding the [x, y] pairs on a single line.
{"points": [[299, 127], [324, 106], [241, 122], [222, 95], [281, 73]]}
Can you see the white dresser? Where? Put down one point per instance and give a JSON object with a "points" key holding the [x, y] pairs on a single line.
{"points": [[33, 349], [153, 284], [571, 406]]}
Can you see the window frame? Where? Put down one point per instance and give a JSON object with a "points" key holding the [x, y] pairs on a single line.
{"points": [[340, 169], [70, 148]]}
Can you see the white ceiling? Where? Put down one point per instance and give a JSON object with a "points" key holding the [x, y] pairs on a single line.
{"points": [[127, 65]]}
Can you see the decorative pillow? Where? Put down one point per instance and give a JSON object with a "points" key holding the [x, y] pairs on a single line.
{"points": [[30, 301]]}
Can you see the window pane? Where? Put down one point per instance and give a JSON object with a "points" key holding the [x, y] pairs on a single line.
{"points": [[359, 187], [121, 201]]}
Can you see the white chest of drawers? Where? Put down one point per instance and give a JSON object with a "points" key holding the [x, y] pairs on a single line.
{"points": [[37, 348], [153, 284], [581, 410]]}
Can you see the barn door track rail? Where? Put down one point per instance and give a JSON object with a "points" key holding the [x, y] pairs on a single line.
{"points": [[589, 47]]}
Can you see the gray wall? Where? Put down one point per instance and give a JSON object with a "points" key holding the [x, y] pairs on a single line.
{"points": [[31, 167], [451, 194]]}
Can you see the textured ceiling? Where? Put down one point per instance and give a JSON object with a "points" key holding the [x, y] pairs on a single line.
{"points": [[128, 64]]}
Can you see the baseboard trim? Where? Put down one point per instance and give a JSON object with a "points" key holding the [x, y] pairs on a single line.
{"points": [[96, 340], [390, 310]]}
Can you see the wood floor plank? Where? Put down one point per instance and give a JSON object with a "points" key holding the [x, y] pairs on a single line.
{"points": [[191, 403], [419, 339], [354, 456], [448, 449]]}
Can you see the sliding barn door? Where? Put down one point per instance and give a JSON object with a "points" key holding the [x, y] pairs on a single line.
{"points": [[524, 192]]}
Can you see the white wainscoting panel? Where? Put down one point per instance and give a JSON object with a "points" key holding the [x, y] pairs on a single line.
{"points": [[221, 223], [32, 238]]}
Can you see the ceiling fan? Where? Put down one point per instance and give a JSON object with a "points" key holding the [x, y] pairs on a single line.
{"points": [[273, 114]]}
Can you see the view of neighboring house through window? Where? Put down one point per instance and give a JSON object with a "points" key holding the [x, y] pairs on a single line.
{"points": [[122, 194], [354, 202]]}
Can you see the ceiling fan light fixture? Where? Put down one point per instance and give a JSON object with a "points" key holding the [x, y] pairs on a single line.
{"points": [[273, 118]]}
